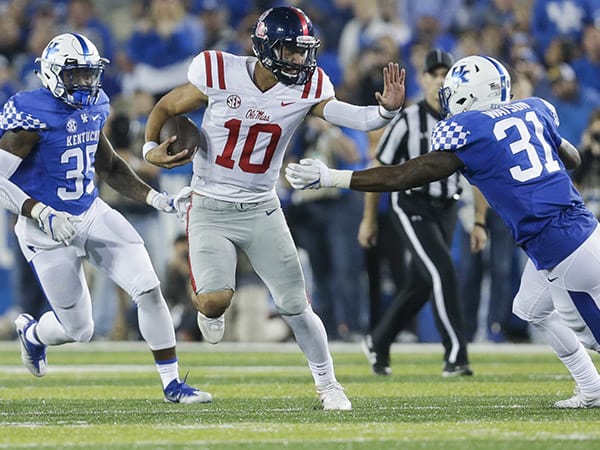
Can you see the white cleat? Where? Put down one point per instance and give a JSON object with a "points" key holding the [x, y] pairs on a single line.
{"points": [[579, 400], [32, 355], [212, 329], [333, 398]]}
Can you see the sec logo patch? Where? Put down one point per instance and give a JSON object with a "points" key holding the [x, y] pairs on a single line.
{"points": [[234, 101]]}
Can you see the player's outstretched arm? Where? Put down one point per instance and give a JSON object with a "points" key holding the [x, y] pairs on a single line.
{"points": [[314, 174], [181, 100], [367, 118]]}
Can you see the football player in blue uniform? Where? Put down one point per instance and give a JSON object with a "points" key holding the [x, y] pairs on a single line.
{"points": [[514, 154], [51, 147]]}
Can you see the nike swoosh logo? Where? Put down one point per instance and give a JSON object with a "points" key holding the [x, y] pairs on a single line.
{"points": [[95, 116], [552, 279], [271, 211], [287, 103]]}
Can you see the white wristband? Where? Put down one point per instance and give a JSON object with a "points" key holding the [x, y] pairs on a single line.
{"points": [[341, 178], [150, 195], [147, 147], [388, 115], [36, 210]]}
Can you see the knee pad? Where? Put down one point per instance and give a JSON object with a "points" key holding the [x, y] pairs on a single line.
{"points": [[292, 305], [150, 298], [531, 309], [80, 332], [144, 282]]}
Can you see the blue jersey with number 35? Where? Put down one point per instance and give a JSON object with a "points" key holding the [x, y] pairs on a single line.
{"points": [[511, 155], [59, 170]]}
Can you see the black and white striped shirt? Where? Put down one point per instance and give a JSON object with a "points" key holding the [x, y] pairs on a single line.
{"points": [[409, 135]]}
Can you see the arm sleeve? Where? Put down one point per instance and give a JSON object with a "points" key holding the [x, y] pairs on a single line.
{"points": [[11, 196], [363, 118]]}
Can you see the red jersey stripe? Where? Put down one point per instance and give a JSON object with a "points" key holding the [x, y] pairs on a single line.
{"points": [[187, 233], [208, 69], [307, 87], [220, 70], [319, 83]]}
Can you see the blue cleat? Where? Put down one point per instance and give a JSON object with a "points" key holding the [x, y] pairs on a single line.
{"points": [[32, 355], [181, 392]]}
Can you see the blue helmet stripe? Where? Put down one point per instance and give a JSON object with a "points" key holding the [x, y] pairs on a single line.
{"points": [[502, 74], [84, 47]]}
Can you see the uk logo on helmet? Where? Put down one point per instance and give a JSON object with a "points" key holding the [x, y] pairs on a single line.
{"points": [[460, 73]]}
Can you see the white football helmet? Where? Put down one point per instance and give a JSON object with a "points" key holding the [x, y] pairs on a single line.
{"points": [[475, 83], [71, 68]]}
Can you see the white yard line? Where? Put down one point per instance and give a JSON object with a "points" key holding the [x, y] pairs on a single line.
{"points": [[287, 347]]}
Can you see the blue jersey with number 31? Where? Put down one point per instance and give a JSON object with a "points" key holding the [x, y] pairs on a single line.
{"points": [[59, 170], [511, 155]]}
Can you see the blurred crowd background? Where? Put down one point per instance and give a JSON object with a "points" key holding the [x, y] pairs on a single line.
{"points": [[551, 46]]}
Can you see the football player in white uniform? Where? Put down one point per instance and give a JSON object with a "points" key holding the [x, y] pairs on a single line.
{"points": [[51, 147], [254, 106]]}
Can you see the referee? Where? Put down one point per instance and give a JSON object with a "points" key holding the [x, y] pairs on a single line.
{"points": [[424, 218]]}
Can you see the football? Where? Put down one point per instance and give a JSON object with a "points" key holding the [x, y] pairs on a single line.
{"points": [[188, 135]]}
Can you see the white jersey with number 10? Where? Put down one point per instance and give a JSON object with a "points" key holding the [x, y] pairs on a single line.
{"points": [[248, 130]]}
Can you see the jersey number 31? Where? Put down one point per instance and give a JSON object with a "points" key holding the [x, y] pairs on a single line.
{"points": [[524, 145]]}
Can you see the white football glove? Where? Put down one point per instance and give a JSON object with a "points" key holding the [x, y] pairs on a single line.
{"points": [[161, 201], [181, 202], [56, 224], [309, 174]]}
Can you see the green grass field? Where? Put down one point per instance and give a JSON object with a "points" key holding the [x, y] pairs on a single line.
{"points": [[107, 396]]}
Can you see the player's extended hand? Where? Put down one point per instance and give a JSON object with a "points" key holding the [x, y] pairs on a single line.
{"points": [[161, 158], [161, 201], [309, 174], [393, 87], [56, 224], [181, 202]]}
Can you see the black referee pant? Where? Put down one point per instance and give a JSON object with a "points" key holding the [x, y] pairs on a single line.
{"points": [[427, 226]]}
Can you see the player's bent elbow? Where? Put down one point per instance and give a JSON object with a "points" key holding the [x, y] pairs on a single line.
{"points": [[569, 155]]}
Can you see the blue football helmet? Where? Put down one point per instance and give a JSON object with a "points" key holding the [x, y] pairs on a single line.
{"points": [[290, 27], [71, 68]]}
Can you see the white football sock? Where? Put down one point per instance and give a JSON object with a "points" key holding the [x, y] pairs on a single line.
{"points": [[168, 371], [312, 339], [571, 352], [583, 371]]}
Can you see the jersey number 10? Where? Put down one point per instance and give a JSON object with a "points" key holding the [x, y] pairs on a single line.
{"points": [[225, 159]]}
